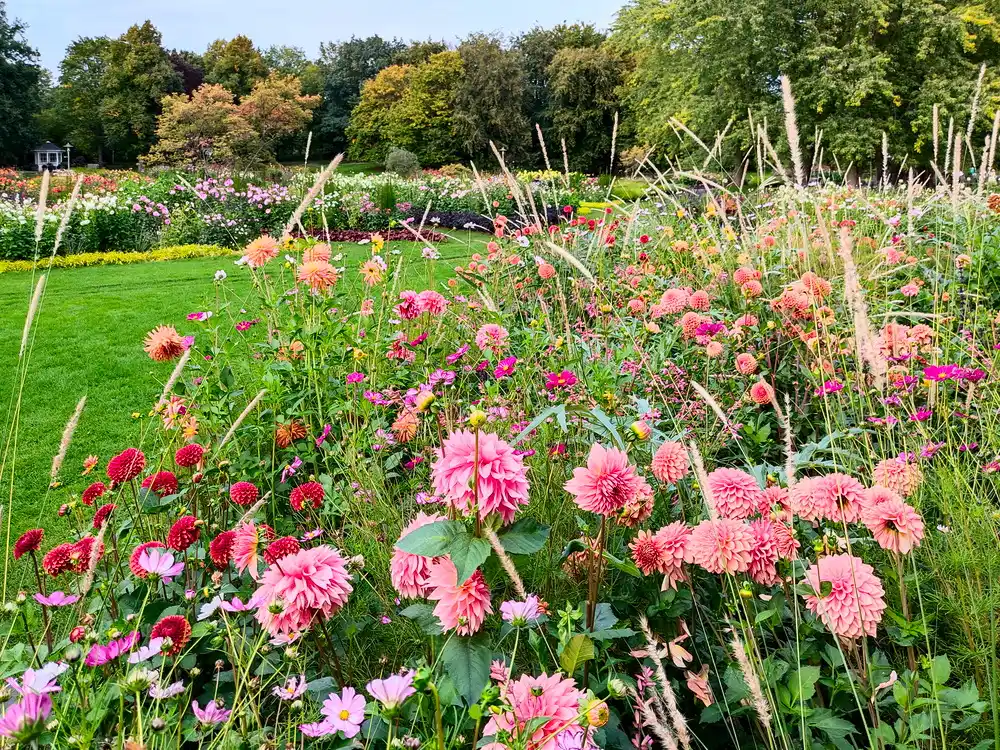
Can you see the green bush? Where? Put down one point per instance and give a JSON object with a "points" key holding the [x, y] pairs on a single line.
{"points": [[402, 162]]}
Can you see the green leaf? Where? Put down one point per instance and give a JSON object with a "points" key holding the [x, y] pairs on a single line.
{"points": [[558, 411], [802, 683], [604, 617], [608, 426], [940, 669], [625, 566], [612, 634], [432, 540], [468, 553], [467, 662], [525, 537], [423, 615], [579, 650]]}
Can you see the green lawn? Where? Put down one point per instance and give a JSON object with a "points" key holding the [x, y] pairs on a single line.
{"points": [[88, 341]]}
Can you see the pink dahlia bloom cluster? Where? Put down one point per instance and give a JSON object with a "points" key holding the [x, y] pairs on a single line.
{"points": [[503, 477], [306, 584], [833, 497], [461, 607], [409, 572], [554, 698], [607, 483], [722, 545], [663, 552], [900, 475], [856, 600]]}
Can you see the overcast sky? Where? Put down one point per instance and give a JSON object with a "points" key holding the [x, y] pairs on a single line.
{"points": [[194, 24]]}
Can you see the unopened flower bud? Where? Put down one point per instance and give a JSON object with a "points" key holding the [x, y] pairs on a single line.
{"points": [[158, 724], [423, 400], [641, 430], [478, 418], [617, 687], [72, 653], [596, 712]]}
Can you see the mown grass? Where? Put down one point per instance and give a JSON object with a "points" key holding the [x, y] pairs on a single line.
{"points": [[87, 340]]}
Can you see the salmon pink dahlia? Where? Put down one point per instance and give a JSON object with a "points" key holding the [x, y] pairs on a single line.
{"points": [[29, 541], [184, 533], [761, 393], [895, 525], [162, 483], [734, 493], [673, 540], [310, 493], [746, 363], [722, 545], [899, 475], [176, 628], [856, 600], [93, 492], [408, 571], [775, 499], [261, 251], [461, 607], [163, 343], [670, 463], [550, 705], [318, 274], [316, 252], [243, 493], [126, 466], [503, 478], [764, 554], [607, 483], [309, 583], [647, 553], [133, 560], [838, 497], [189, 455], [878, 494]]}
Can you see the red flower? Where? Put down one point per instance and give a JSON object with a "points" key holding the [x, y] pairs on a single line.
{"points": [[311, 492], [133, 559], [77, 634], [174, 627], [220, 549], [189, 455], [29, 541], [81, 552], [184, 533], [287, 545], [243, 493], [93, 492], [126, 465], [102, 514], [58, 560], [162, 483]]}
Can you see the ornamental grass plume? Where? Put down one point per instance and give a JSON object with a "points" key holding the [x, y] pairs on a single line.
{"points": [[293, 591], [856, 600], [67, 438], [461, 607], [607, 483], [409, 572], [666, 697], [36, 300], [502, 483], [760, 703], [239, 420]]}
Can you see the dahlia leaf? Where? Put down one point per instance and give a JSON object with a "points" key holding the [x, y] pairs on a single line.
{"points": [[579, 650], [467, 662], [432, 540], [558, 411], [423, 615], [525, 537], [468, 553], [802, 683]]}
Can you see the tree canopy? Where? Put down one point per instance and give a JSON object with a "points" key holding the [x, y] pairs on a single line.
{"points": [[20, 91]]}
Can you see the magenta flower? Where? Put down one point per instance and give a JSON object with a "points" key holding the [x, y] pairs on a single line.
{"points": [[211, 714], [355, 377], [290, 469], [324, 435], [157, 561], [457, 354], [392, 691], [25, 719], [99, 654], [921, 415], [505, 368], [57, 599], [830, 386], [293, 688], [199, 316], [941, 372], [564, 379]]}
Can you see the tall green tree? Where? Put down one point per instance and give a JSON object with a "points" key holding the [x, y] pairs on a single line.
{"points": [[347, 65], [424, 120], [368, 131], [417, 52], [137, 77], [190, 66], [234, 64], [490, 100], [20, 91], [292, 61], [75, 110]]}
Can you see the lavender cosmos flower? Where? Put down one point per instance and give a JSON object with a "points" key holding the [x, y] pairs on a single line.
{"points": [[57, 599], [163, 693], [293, 688], [147, 652], [211, 714], [39, 681], [158, 562], [392, 691], [25, 719], [520, 614]]}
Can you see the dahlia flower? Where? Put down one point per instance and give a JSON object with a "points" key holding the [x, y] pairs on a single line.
{"points": [[220, 549], [838, 497], [460, 607], [189, 455], [492, 337], [720, 546], [301, 586], [162, 483], [606, 483], [243, 494], [554, 698], [318, 274], [163, 343], [29, 541], [310, 493], [673, 540], [734, 493], [895, 525], [503, 477], [647, 552], [176, 628], [670, 463], [408, 571], [261, 251], [764, 553], [854, 605], [94, 491], [184, 532], [901, 476], [761, 393], [126, 466]]}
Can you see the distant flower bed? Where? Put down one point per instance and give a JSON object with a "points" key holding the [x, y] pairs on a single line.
{"points": [[81, 260]]}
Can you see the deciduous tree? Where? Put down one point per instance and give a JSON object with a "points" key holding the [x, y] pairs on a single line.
{"points": [[20, 91], [235, 64]]}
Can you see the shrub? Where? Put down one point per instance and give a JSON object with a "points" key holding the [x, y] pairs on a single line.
{"points": [[455, 170], [402, 162]]}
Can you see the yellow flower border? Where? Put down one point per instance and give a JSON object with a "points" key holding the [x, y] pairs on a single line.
{"points": [[82, 260]]}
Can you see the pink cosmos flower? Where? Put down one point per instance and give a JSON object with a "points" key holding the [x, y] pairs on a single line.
{"points": [[26, 716], [895, 525], [99, 654], [147, 652], [159, 562], [505, 368], [392, 691], [57, 599], [854, 605], [607, 483], [460, 606], [300, 586], [734, 493], [294, 687], [721, 546], [345, 712], [523, 613], [564, 379], [408, 571], [554, 698], [492, 337], [503, 477], [764, 553], [670, 463], [39, 681], [211, 714]]}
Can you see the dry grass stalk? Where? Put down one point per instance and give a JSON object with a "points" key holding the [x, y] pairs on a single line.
{"points": [[243, 415], [567, 256], [948, 144], [252, 510], [974, 111], [773, 155], [885, 160], [43, 196], [614, 143], [565, 162], [956, 173], [309, 140], [981, 176], [669, 699], [935, 131], [707, 398], [792, 129], [67, 438], [654, 722], [865, 345], [175, 375], [296, 218], [787, 437], [993, 142], [699, 471], [36, 300], [545, 151], [760, 704], [506, 563]]}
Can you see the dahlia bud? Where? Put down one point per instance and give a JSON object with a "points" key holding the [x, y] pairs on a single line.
{"points": [[357, 562], [77, 634], [292, 652], [423, 400], [478, 418], [194, 670], [597, 714], [197, 478], [617, 687], [21, 597], [297, 705], [72, 653], [641, 430], [422, 678], [158, 724], [746, 592]]}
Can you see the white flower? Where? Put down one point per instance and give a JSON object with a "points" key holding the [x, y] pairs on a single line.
{"points": [[220, 275], [523, 241]]}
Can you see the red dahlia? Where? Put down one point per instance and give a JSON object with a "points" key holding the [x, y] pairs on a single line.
{"points": [[93, 492], [102, 514], [29, 541], [287, 545], [189, 455], [126, 465], [220, 549], [58, 560], [82, 551], [133, 560], [184, 533], [310, 492], [163, 483], [174, 627], [243, 493]]}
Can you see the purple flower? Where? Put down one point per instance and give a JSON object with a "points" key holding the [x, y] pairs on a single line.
{"points": [[211, 714], [930, 449], [158, 562], [520, 614], [163, 693], [293, 688], [23, 720], [457, 354], [38, 681], [355, 377], [57, 599], [290, 469], [392, 691], [971, 375]]}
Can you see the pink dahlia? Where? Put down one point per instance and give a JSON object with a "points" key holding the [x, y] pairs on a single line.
{"points": [[674, 300], [761, 393], [838, 497], [734, 493], [261, 251], [853, 608], [895, 525], [555, 699], [492, 337], [784, 537], [900, 476], [775, 499], [318, 274], [764, 553], [163, 343], [673, 540], [607, 483], [720, 546], [503, 477], [409, 572], [647, 552], [670, 463], [460, 607], [639, 508], [879, 494], [432, 302], [311, 582], [746, 363]]}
